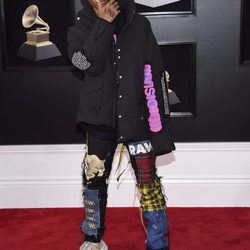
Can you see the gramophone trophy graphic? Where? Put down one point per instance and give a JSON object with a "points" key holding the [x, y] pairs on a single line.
{"points": [[173, 98], [37, 47]]}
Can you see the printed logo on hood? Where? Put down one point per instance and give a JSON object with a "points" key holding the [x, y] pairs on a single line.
{"points": [[155, 3]]}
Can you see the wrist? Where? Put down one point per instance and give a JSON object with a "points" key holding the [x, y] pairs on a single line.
{"points": [[106, 19]]}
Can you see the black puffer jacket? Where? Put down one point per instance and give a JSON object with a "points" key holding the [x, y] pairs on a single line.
{"points": [[113, 88]]}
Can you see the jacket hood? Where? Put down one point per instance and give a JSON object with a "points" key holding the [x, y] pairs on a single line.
{"points": [[88, 12]]}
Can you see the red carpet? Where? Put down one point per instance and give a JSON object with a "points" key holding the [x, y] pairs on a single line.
{"points": [[190, 229]]}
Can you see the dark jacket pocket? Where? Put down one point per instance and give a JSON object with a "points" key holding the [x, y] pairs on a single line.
{"points": [[138, 120], [91, 97]]}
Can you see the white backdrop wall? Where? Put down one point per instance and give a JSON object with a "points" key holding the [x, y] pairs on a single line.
{"points": [[195, 175]]}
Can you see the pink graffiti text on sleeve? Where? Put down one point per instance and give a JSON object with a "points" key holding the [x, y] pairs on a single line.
{"points": [[149, 90]]}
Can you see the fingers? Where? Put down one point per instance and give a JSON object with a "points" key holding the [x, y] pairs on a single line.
{"points": [[98, 4], [112, 8], [113, 4]]}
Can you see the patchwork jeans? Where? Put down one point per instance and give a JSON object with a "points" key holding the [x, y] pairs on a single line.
{"points": [[96, 170]]}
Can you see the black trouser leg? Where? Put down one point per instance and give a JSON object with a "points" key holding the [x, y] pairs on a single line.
{"points": [[100, 152]]}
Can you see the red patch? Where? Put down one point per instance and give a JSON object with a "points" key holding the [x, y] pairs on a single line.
{"points": [[145, 164]]}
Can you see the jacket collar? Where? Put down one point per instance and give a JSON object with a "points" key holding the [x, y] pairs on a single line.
{"points": [[88, 12]]}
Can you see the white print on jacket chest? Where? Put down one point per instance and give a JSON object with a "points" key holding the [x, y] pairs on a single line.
{"points": [[141, 147]]}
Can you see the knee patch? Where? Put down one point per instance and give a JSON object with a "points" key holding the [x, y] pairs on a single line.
{"points": [[95, 171], [95, 167], [152, 198], [143, 160]]}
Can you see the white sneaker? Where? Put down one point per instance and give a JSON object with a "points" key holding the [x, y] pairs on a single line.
{"points": [[93, 246]]}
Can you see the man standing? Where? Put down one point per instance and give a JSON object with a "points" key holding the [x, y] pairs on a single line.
{"points": [[123, 100]]}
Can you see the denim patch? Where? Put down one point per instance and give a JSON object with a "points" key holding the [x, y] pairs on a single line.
{"points": [[157, 228], [92, 212]]}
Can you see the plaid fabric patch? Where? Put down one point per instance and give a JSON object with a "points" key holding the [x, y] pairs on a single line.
{"points": [[145, 168], [152, 198]]}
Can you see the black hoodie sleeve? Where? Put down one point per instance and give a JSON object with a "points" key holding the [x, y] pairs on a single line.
{"points": [[161, 143], [88, 43]]}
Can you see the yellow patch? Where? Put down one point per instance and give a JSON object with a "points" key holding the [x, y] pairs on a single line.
{"points": [[91, 225]]}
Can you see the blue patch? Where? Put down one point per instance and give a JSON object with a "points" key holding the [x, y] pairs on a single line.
{"points": [[157, 228], [91, 223]]}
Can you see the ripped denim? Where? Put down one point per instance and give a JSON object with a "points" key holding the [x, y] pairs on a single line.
{"points": [[157, 227]]}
